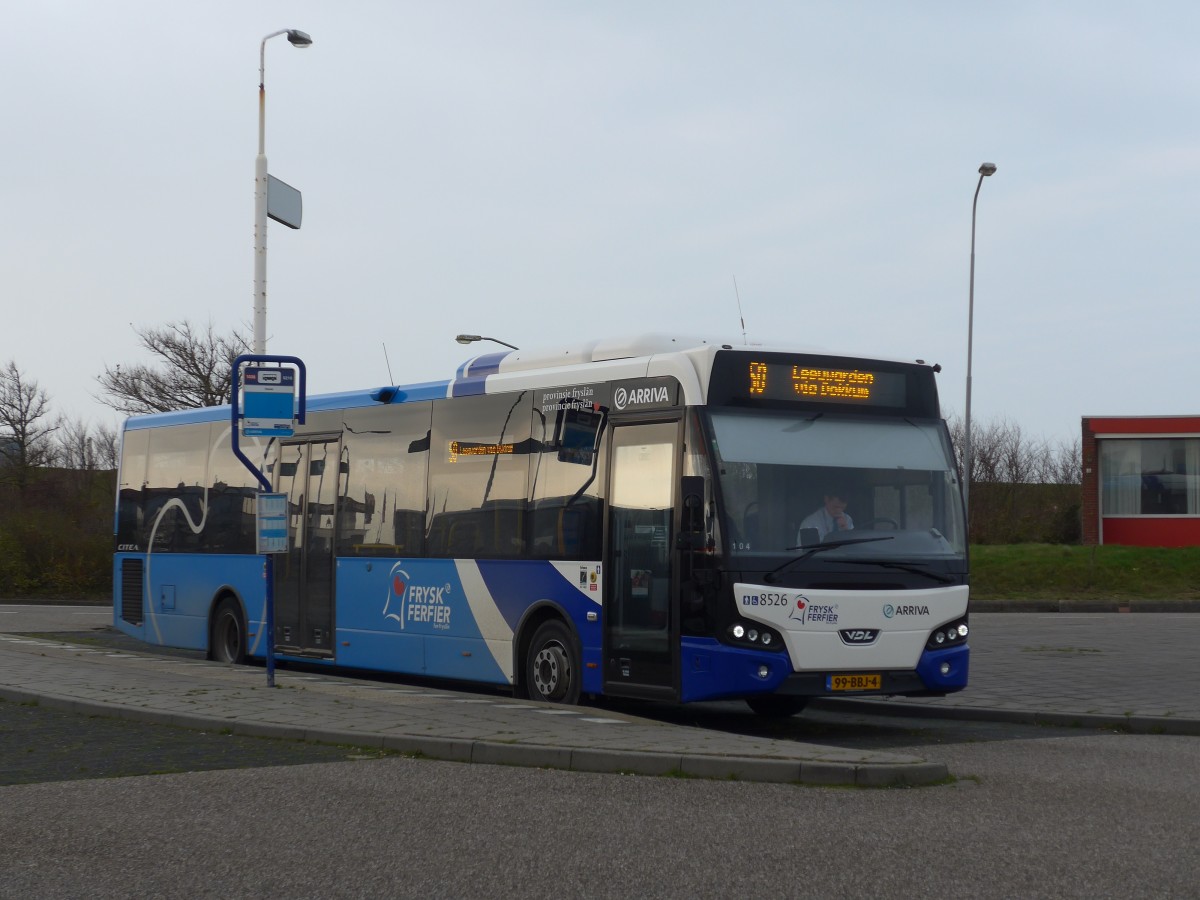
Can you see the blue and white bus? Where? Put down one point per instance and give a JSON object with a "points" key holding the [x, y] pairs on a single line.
{"points": [[629, 518]]}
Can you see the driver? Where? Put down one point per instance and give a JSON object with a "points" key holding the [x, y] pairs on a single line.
{"points": [[830, 516]]}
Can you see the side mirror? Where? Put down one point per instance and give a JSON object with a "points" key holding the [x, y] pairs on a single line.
{"points": [[691, 531], [693, 504]]}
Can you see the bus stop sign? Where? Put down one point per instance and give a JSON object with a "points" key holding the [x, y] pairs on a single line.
{"points": [[268, 398]]}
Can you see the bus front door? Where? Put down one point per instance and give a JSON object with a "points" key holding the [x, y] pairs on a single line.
{"points": [[641, 623], [308, 474]]}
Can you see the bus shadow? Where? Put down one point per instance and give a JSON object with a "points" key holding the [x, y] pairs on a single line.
{"points": [[846, 728]]}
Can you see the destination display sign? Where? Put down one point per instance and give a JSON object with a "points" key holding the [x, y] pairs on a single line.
{"points": [[797, 381], [786, 380]]}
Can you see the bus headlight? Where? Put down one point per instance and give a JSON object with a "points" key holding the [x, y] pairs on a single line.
{"points": [[950, 633], [754, 635]]}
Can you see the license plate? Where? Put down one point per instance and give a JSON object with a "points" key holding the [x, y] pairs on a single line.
{"points": [[872, 682]]}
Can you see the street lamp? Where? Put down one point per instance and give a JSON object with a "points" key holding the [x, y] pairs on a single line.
{"points": [[984, 171], [472, 338], [296, 39]]}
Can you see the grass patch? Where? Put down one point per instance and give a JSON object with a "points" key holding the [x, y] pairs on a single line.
{"points": [[1063, 572]]}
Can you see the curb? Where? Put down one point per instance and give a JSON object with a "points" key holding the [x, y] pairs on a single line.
{"points": [[1133, 605], [1131, 724], [573, 759]]}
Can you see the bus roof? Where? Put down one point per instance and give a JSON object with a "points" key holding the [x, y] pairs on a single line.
{"points": [[688, 359]]}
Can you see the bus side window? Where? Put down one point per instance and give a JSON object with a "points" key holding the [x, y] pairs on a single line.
{"points": [[479, 476], [131, 492], [385, 459], [569, 472]]}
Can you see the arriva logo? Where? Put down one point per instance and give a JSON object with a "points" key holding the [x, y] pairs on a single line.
{"points": [[640, 396], [889, 611], [416, 603]]}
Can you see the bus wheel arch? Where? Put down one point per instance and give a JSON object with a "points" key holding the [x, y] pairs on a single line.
{"points": [[228, 640], [549, 659]]}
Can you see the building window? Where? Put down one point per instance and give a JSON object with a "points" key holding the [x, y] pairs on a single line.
{"points": [[1150, 476]]}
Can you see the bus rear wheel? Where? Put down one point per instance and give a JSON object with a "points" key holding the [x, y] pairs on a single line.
{"points": [[552, 668], [227, 643], [777, 706]]}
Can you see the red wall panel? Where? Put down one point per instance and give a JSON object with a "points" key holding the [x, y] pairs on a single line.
{"points": [[1147, 531]]}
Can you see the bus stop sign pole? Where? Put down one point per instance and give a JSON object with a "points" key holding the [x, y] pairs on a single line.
{"points": [[268, 410]]}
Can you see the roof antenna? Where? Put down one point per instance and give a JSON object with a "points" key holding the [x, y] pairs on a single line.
{"points": [[391, 380], [740, 316]]}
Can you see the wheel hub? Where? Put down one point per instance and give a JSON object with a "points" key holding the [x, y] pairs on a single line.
{"points": [[551, 672]]}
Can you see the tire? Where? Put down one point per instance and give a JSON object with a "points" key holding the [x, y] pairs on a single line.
{"points": [[553, 672], [777, 706], [227, 642]]}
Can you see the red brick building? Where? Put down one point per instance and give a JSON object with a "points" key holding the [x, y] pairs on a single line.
{"points": [[1141, 480]]}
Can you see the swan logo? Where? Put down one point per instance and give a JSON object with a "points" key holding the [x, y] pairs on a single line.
{"points": [[409, 603]]}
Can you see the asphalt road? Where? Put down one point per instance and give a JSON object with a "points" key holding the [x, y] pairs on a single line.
{"points": [[1031, 812], [1081, 815], [39, 744]]}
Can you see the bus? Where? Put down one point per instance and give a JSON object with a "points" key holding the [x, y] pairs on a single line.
{"points": [[627, 517]]}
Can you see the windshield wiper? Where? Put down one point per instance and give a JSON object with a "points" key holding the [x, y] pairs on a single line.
{"points": [[769, 578], [906, 567]]}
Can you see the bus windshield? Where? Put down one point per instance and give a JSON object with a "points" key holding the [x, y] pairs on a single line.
{"points": [[879, 487]]}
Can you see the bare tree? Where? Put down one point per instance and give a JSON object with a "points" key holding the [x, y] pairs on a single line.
{"points": [[194, 369], [24, 429], [1066, 464], [1021, 488], [82, 446]]}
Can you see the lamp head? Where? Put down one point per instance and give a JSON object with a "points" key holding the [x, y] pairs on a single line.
{"points": [[987, 169], [298, 38], [468, 338]]}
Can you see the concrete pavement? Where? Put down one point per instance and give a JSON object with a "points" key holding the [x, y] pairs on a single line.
{"points": [[1135, 671], [442, 724]]}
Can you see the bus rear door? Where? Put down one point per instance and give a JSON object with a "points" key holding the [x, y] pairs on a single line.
{"points": [[304, 615]]}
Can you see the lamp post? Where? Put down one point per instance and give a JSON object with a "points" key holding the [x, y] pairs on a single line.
{"points": [[472, 338], [984, 171], [296, 39]]}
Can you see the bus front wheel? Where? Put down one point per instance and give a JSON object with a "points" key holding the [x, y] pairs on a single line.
{"points": [[777, 706], [552, 668], [227, 643]]}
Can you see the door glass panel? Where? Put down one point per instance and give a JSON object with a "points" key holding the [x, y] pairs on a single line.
{"points": [[318, 576], [640, 540], [308, 475], [290, 569]]}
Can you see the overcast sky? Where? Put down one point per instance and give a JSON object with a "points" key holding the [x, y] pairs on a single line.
{"points": [[548, 172]]}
